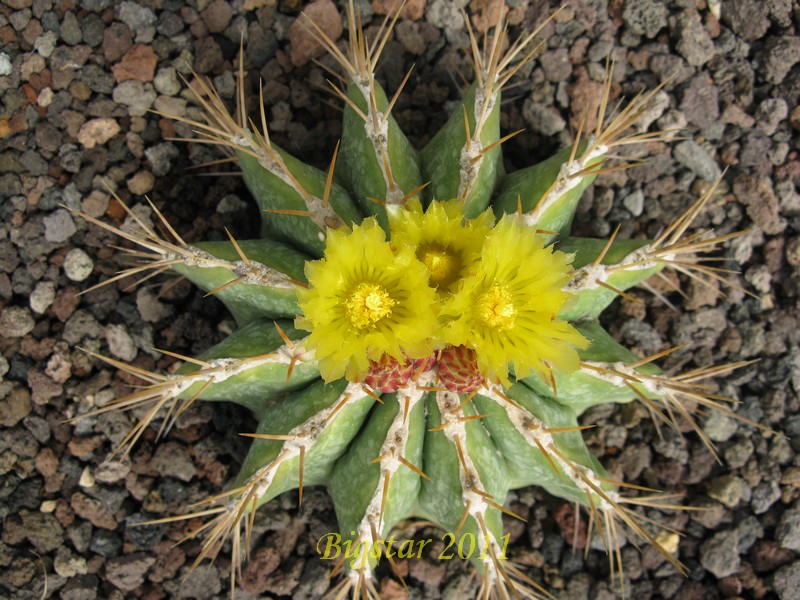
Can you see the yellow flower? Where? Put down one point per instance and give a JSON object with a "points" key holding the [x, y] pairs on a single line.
{"points": [[365, 301], [506, 310], [446, 244]]}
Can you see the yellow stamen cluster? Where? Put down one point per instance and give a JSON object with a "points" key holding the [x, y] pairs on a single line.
{"points": [[442, 280], [442, 264], [495, 307], [368, 304], [443, 241]]}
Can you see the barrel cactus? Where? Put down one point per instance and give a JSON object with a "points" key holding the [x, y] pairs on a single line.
{"points": [[419, 330]]}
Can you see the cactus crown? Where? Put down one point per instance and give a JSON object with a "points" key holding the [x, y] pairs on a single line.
{"points": [[418, 331]]}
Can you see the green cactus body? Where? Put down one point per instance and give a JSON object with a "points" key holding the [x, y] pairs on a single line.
{"points": [[424, 362], [461, 164]]}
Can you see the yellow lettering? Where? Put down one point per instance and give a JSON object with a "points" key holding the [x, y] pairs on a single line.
{"points": [[406, 549], [332, 541]]}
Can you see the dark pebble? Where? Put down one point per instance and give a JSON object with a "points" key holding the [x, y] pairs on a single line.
{"points": [[143, 537], [105, 543]]}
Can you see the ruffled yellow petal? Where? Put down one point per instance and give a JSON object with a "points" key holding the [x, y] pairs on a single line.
{"points": [[446, 243], [365, 301], [506, 310]]}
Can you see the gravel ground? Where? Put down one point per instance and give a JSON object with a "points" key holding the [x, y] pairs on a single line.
{"points": [[77, 79]]}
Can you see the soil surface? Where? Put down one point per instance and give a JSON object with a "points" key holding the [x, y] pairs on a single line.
{"points": [[78, 79]]}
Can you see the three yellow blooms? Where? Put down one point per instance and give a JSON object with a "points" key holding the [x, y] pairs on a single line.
{"points": [[441, 281]]}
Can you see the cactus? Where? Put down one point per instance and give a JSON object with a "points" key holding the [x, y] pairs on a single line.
{"points": [[418, 331]]}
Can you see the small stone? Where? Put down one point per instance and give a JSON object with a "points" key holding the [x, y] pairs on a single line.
{"points": [[542, 119], [585, 95], [15, 407], [66, 302], [137, 96], [127, 572], [204, 584], [669, 541], [787, 533], [93, 511], [770, 113], [645, 17], [304, 44], [173, 460], [694, 42], [719, 427], [43, 388], [767, 556], [231, 203], [780, 54], [166, 81], [116, 41], [764, 496], [80, 587], [44, 44], [45, 97], [408, 33], [794, 118], [762, 204], [413, 10], [150, 308], [95, 204], [161, 157], [59, 367], [747, 18], [139, 64], [16, 321], [67, 564], [80, 325], [105, 543], [694, 157], [729, 490], [120, 343], [93, 30], [136, 16], [59, 226], [38, 427], [654, 110], [5, 64], [217, 16], [77, 265], [86, 480], [113, 470], [144, 537], [254, 576], [787, 581], [42, 296], [70, 29], [735, 115], [43, 531], [556, 65], [9, 259], [141, 183], [31, 65], [720, 554], [207, 55], [634, 202], [700, 101]]}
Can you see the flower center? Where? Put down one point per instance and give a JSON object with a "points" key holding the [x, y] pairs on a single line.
{"points": [[496, 309], [368, 304], [441, 264]]}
